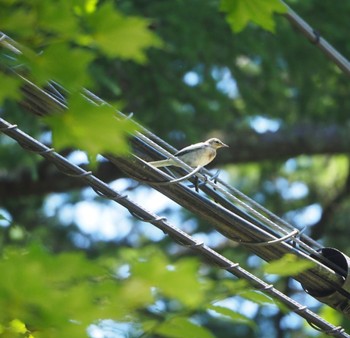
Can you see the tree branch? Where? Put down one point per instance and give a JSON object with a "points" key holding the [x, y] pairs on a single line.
{"points": [[245, 146], [250, 146], [50, 180]]}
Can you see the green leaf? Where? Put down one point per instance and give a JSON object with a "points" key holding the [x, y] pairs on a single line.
{"points": [[9, 87], [119, 36], [331, 315], [181, 327], [178, 281], [233, 315], [288, 265], [17, 326], [240, 12], [257, 297], [59, 62], [56, 289], [91, 128], [18, 21], [58, 18]]}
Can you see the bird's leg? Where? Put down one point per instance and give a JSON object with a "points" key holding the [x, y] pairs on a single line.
{"points": [[196, 181]]}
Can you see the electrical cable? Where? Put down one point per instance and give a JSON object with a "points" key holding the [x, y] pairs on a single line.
{"points": [[178, 235]]}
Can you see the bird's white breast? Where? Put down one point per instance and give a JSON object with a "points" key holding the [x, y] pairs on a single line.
{"points": [[199, 157]]}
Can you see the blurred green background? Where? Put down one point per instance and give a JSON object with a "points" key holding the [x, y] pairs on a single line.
{"points": [[75, 265]]}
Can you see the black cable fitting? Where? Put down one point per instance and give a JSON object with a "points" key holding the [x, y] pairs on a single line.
{"points": [[316, 38], [198, 183]]}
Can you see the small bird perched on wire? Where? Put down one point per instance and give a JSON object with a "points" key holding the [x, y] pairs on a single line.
{"points": [[199, 154]]}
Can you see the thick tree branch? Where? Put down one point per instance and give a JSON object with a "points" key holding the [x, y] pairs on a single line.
{"points": [[50, 180], [249, 146], [245, 146]]}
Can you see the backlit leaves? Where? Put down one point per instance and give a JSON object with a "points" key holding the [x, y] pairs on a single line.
{"points": [[63, 39], [89, 127], [233, 315], [288, 265], [117, 35], [180, 327], [240, 12], [60, 63], [66, 293]]}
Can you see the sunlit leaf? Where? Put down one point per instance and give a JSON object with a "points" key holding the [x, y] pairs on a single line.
{"points": [[178, 281], [288, 265], [92, 128], [257, 297], [233, 315], [9, 87], [65, 293], [18, 326], [179, 327], [18, 22], [67, 66], [59, 19], [240, 12], [121, 36], [331, 315]]}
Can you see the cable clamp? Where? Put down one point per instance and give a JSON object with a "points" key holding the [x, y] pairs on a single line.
{"points": [[271, 242], [45, 151], [194, 246], [267, 287], [12, 126], [198, 183], [316, 38], [111, 196], [230, 266], [149, 220]]}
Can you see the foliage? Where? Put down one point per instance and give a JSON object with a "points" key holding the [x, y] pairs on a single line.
{"points": [[49, 295], [288, 265], [176, 65], [65, 39], [240, 13], [81, 126]]}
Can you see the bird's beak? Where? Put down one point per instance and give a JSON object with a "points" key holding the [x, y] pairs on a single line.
{"points": [[224, 145]]}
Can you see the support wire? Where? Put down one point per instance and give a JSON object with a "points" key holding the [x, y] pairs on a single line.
{"points": [[178, 235]]}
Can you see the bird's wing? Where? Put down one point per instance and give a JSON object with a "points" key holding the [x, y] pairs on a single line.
{"points": [[189, 149]]}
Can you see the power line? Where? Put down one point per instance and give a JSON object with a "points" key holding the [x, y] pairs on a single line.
{"points": [[315, 37], [231, 220], [175, 233], [257, 226]]}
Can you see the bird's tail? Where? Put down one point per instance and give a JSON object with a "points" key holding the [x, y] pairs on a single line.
{"points": [[161, 163]]}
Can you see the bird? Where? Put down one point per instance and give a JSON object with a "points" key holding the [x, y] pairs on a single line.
{"points": [[198, 154]]}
